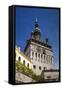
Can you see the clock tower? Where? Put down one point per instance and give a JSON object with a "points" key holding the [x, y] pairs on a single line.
{"points": [[39, 51]]}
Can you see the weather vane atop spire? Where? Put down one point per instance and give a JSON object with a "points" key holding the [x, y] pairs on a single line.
{"points": [[36, 19]]}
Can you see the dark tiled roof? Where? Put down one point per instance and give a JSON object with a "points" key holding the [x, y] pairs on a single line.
{"points": [[38, 42]]}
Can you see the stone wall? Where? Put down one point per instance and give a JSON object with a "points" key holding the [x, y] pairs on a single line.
{"points": [[23, 78]]}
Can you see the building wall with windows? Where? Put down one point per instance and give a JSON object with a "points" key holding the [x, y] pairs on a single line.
{"points": [[23, 58]]}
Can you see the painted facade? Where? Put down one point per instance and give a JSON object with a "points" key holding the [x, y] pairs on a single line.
{"points": [[23, 58]]}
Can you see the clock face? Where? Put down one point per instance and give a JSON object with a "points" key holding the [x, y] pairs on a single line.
{"points": [[38, 49]]}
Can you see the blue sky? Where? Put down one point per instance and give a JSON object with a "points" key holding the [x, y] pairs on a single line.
{"points": [[48, 20]]}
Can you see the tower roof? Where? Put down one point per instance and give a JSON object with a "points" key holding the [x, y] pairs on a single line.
{"points": [[36, 29], [36, 34], [36, 23]]}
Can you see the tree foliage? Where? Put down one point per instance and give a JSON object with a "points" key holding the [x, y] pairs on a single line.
{"points": [[25, 70]]}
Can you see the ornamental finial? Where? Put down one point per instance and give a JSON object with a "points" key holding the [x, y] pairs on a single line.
{"points": [[36, 19]]}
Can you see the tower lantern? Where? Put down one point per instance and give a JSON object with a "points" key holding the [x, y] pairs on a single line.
{"points": [[36, 34]]}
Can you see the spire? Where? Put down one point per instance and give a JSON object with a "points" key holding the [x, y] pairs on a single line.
{"points": [[36, 33], [36, 19], [36, 29], [36, 23]]}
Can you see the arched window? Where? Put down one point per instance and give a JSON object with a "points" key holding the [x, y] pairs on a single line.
{"points": [[39, 67], [36, 55], [32, 55], [44, 58], [44, 68], [51, 60], [47, 59], [34, 66], [24, 62], [19, 58]]}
